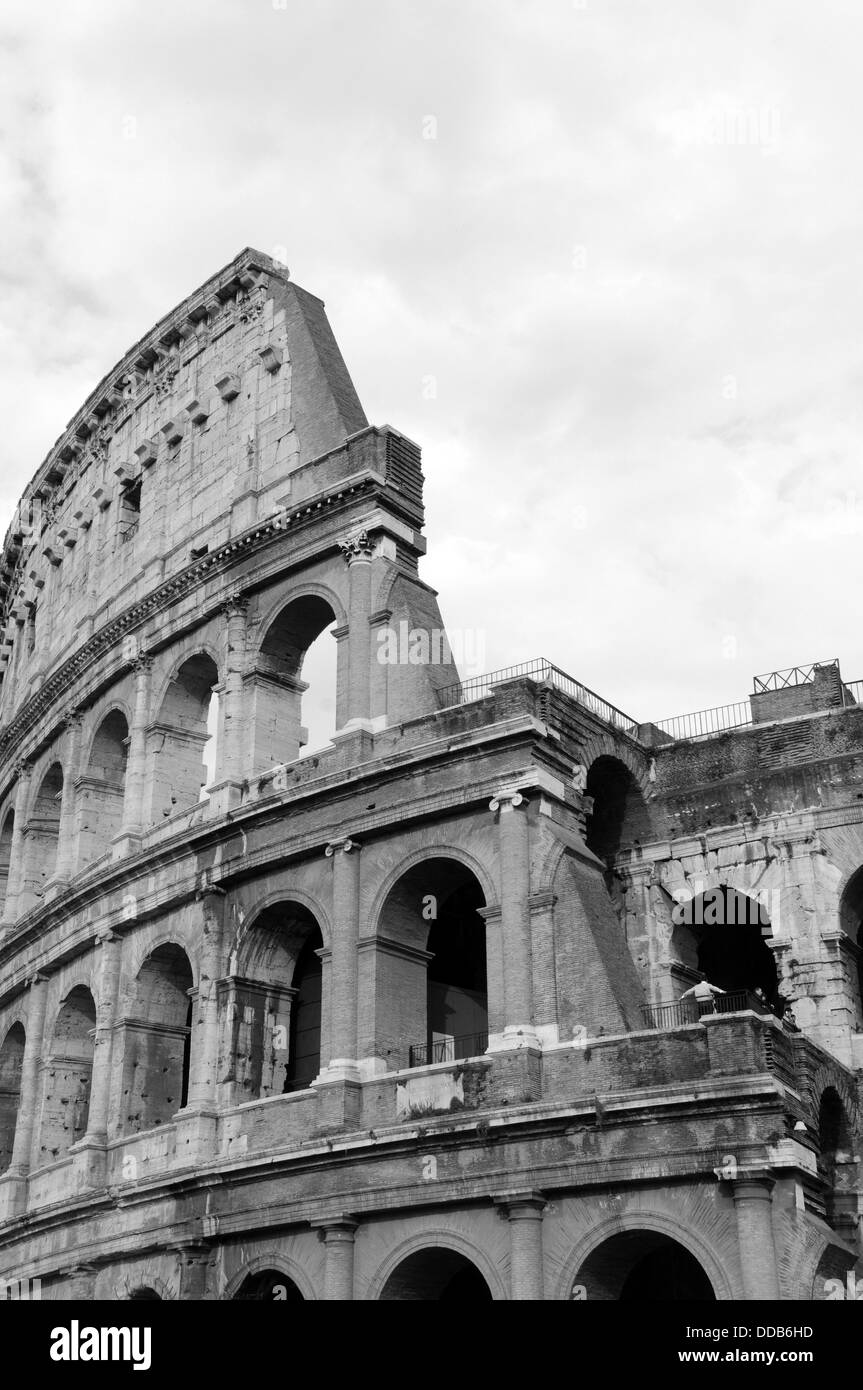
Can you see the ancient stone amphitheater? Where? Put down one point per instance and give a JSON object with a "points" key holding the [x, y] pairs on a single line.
{"points": [[408, 1017]]}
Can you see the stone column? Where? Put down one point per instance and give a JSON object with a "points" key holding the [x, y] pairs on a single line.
{"points": [[511, 808], [358, 557], [129, 839], [235, 751], [92, 1146], [338, 1234], [524, 1211], [753, 1209], [66, 836], [345, 855], [205, 1026], [13, 1184], [24, 773]]}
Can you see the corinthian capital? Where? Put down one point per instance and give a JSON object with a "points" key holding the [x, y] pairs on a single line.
{"points": [[357, 547]]}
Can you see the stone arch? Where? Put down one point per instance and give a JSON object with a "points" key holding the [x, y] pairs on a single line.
{"points": [[42, 833], [274, 1002], [157, 1033], [727, 932], [102, 785], [267, 616], [437, 851], [607, 746], [826, 1077], [429, 968], [287, 890], [127, 1287], [67, 1075], [180, 734], [647, 1220], [437, 1239], [271, 1260], [824, 1276], [7, 836], [275, 681], [145, 945], [11, 1066], [617, 816]]}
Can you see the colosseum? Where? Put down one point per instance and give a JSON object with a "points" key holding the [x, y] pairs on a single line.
{"points": [[500, 994]]}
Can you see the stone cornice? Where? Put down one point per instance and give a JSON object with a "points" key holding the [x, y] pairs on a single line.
{"points": [[164, 596]]}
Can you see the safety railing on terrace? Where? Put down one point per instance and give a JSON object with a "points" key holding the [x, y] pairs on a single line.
{"points": [[698, 724], [448, 1049], [703, 723], [794, 675], [683, 1011], [543, 671]]}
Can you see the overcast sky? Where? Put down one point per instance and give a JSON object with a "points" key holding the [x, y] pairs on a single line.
{"points": [[601, 259]]}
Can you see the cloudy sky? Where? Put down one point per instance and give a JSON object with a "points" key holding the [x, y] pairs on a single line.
{"points": [[601, 258]]}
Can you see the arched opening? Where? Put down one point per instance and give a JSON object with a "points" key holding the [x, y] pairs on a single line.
{"points": [[618, 819], [144, 1295], [437, 1274], [642, 1266], [274, 1003], [851, 920], [268, 1286], [836, 1166], [43, 837], [728, 933], [293, 684], [66, 1094], [157, 1052], [7, 834], [181, 738], [438, 978], [11, 1065], [102, 788]]}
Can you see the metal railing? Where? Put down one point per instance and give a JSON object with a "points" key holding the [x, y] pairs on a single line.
{"points": [[540, 670], [447, 1049], [852, 693], [691, 1010], [794, 675], [704, 723], [130, 532]]}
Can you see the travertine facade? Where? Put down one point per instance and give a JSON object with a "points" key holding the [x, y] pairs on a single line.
{"points": [[405, 1018]]}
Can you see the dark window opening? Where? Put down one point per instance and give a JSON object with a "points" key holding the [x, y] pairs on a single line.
{"points": [[304, 1053], [130, 509], [457, 988]]}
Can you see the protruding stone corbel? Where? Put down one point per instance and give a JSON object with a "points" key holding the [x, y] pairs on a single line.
{"points": [[147, 452], [228, 386], [173, 431], [271, 355]]}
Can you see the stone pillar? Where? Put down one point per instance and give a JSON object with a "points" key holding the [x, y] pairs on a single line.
{"points": [[234, 750], [67, 836], [511, 808], [524, 1211], [91, 1148], [24, 774], [205, 1026], [338, 1083], [753, 1210], [338, 1234], [129, 839], [193, 1266], [358, 557], [13, 1183], [345, 855]]}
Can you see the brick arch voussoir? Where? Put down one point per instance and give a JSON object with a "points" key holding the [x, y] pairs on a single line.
{"points": [[438, 1239], [444, 850], [701, 1249], [272, 1259], [606, 746]]}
